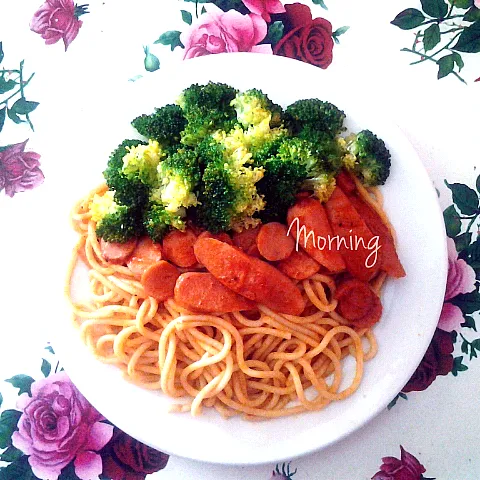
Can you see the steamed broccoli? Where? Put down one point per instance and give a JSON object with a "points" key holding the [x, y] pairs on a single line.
{"points": [[157, 221], [164, 125], [254, 107], [128, 191], [323, 162], [115, 223], [228, 196], [291, 165], [228, 160], [368, 157], [311, 117], [178, 176], [250, 140], [329, 152], [300, 152], [322, 184], [207, 109], [264, 152], [140, 163], [280, 184], [287, 164], [319, 123]]}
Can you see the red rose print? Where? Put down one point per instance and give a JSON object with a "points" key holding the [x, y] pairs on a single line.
{"points": [[407, 468], [124, 458], [438, 360], [306, 39]]}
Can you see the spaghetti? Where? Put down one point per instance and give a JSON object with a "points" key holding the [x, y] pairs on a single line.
{"points": [[263, 365]]}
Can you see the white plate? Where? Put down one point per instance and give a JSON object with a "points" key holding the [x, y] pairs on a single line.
{"points": [[411, 305]]}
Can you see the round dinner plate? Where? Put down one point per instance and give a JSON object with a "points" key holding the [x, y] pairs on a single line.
{"points": [[97, 123]]}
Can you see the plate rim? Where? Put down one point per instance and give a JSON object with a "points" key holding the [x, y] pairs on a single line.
{"points": [[199, 64]]}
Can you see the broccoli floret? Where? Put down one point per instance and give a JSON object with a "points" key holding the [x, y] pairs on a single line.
{"points": [[128, 191], [292, 168], [328, 151], [371, 159], [285, 171], [164, 125], [141, 162], [216, 198], [207, 109], [254, 107], [319, 123], [208, 150], [265, 152], [309, 117], [228, 196], [322, 185], [280, 184], [178, 177], [322, 162], [120, 226], [250, 140], [233, 142], [157, 221], [299, 151], [212, 96], [114, 222]]}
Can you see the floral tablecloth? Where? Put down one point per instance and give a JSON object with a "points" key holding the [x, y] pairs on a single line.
{"points": [[419, 59]]}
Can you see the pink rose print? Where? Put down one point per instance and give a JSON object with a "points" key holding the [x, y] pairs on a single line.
{"points": [[265, 7], [407, 468], [460, 279], [58, 19], [477, 3], [217, 32], [19, 170], [58, 426]]}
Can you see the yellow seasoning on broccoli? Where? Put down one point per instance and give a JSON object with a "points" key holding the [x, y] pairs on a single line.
{"points": [[102, 205], [142, 161]]}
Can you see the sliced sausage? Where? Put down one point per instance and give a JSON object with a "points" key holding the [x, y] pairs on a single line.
{"points": [[117, 253], [309, 225], [389, 261], [273, 242], [249, 276], [357, 243], [299, 265], [202, 292], [178, 247], [146, 253], [358, 303], [222, 236], [159, 279], [345, 182], [246, 238], [253, 251]]}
